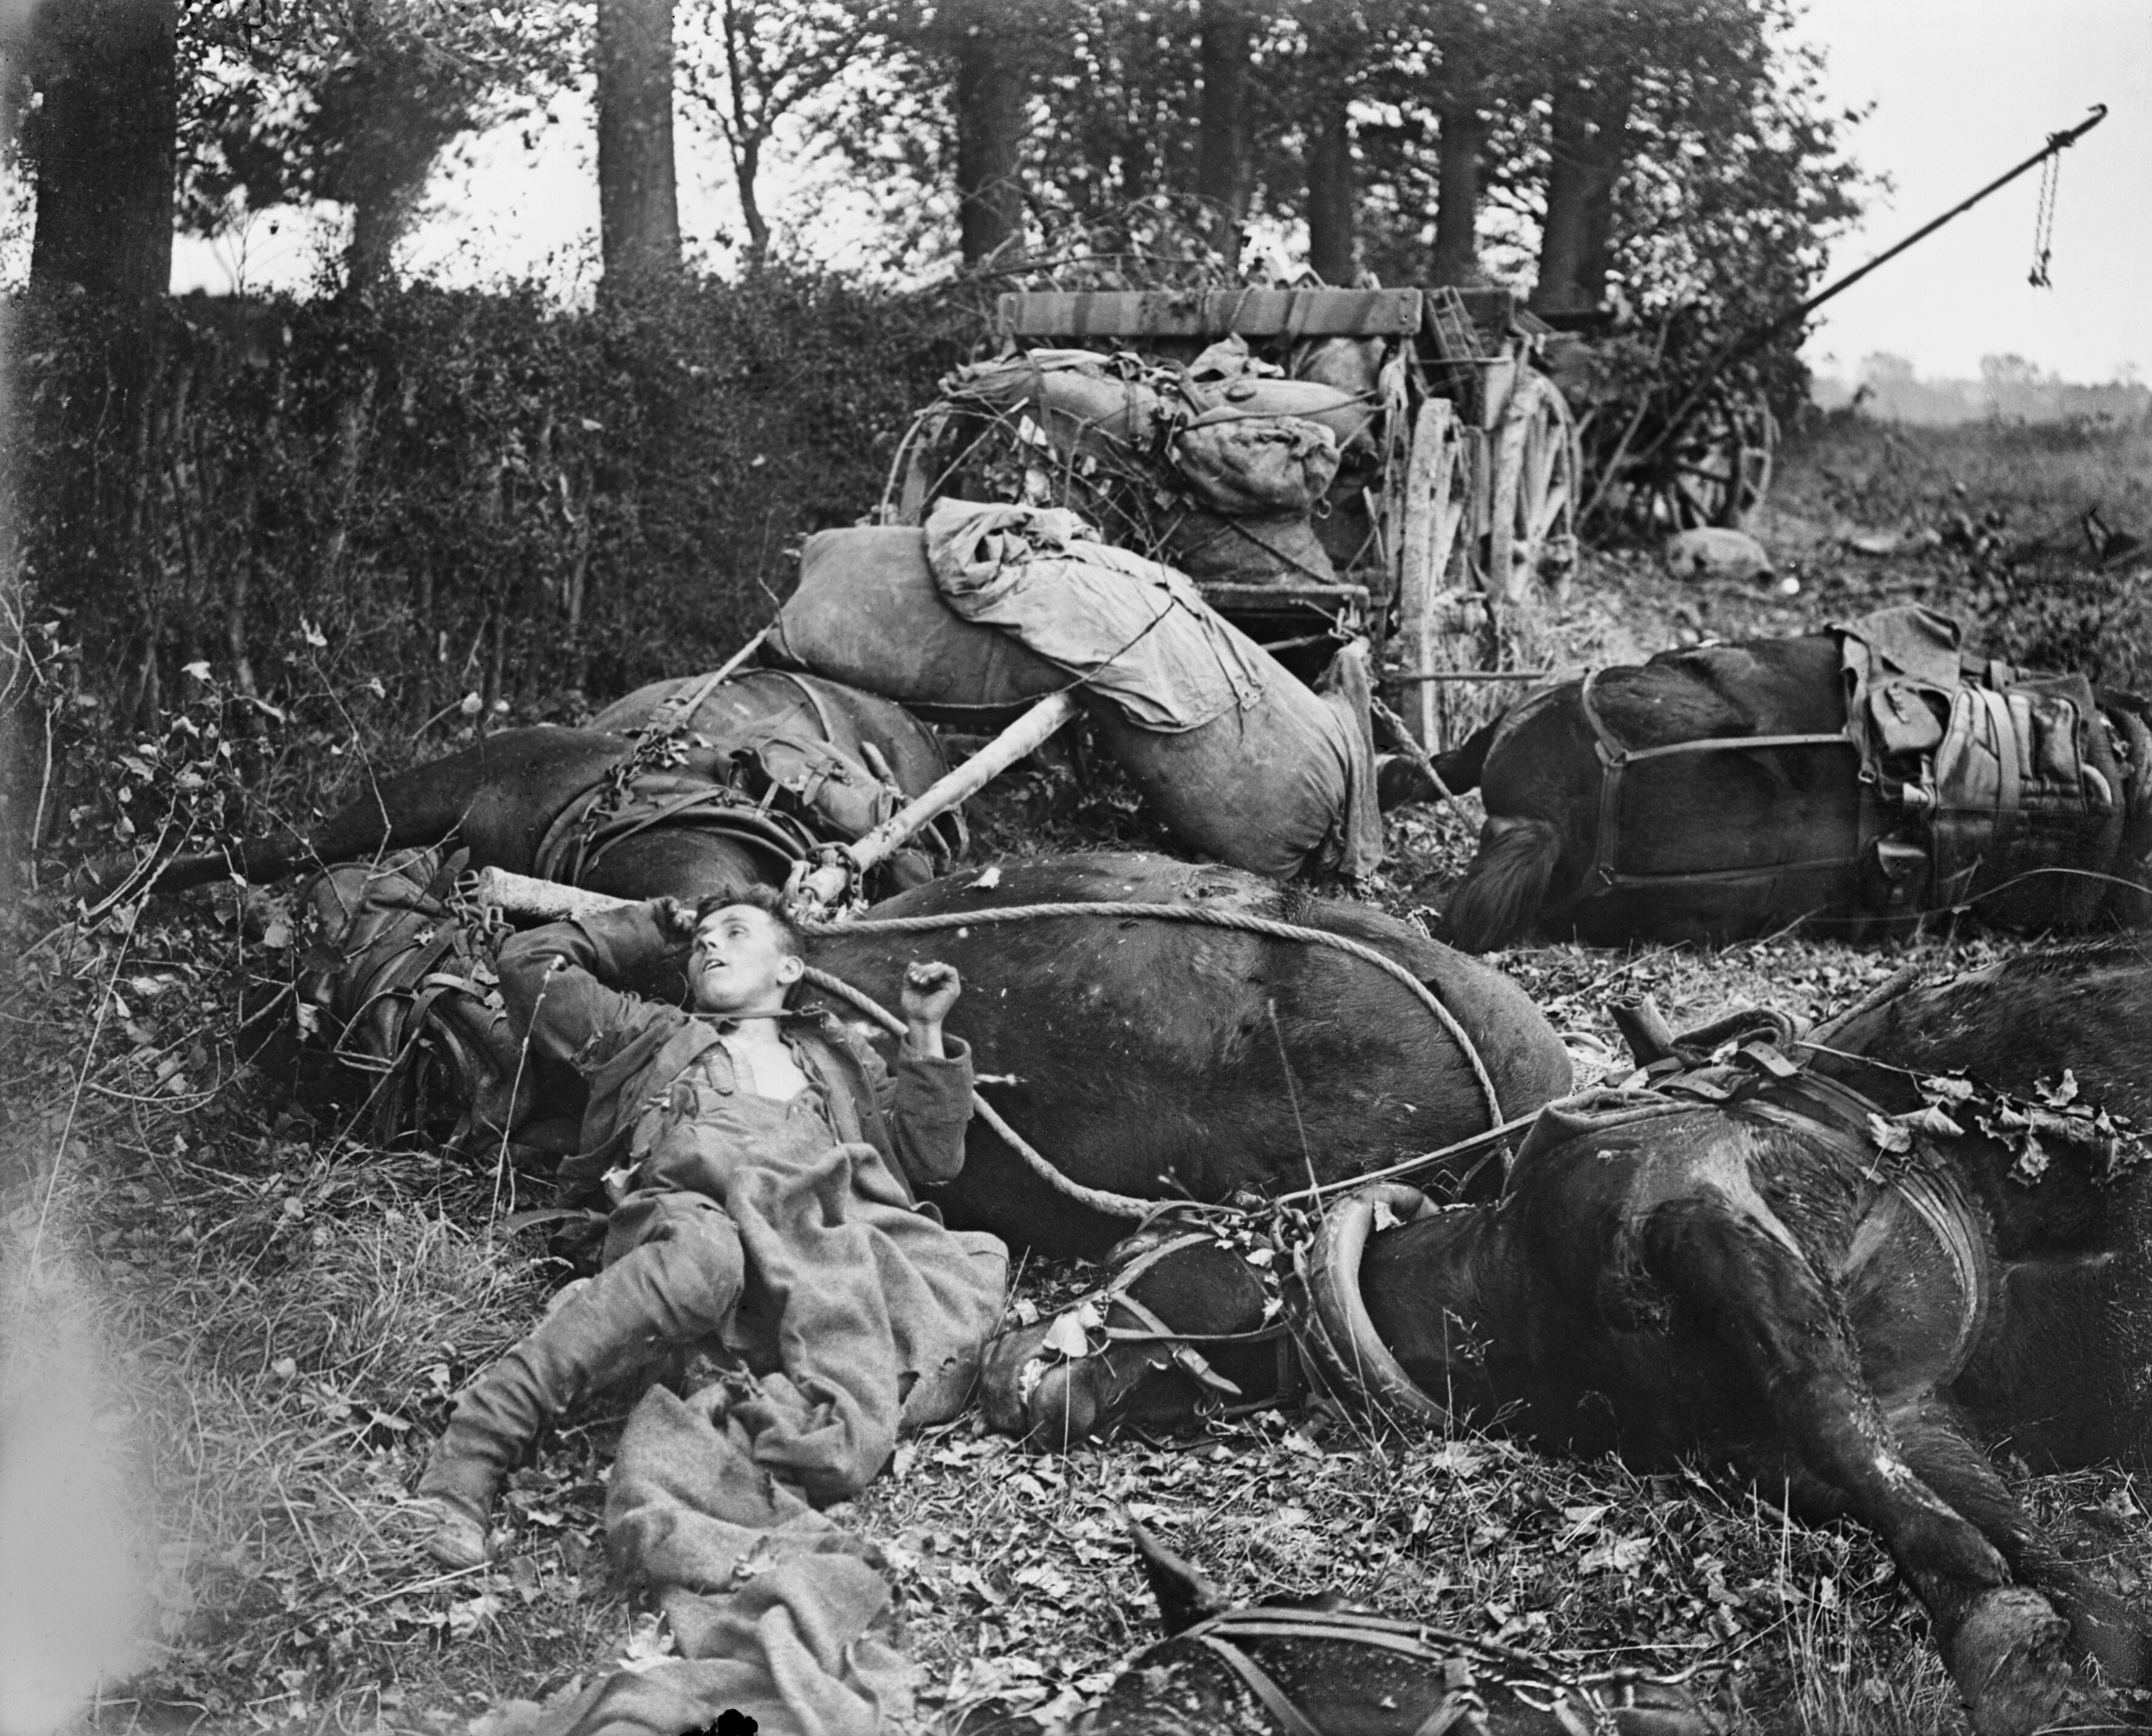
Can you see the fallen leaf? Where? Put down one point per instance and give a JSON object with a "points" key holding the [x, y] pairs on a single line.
{"points": [[1889, 1135], [1067, 1337]]}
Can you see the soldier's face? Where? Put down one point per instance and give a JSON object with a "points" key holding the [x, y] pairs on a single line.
{"points": [[740, 963]]}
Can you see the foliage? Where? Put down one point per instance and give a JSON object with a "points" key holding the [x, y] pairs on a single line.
{"points": [[424, 508], [749, 66], [349, 100]]}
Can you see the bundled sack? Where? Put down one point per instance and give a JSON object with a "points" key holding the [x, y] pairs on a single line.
{"points": [[1353, 421], [1256, 466], [867, 613], [1226, 382], [1241, 762], [1085, 403]]}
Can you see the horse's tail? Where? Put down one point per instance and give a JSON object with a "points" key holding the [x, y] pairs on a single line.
{"points": [[1501, 894]]}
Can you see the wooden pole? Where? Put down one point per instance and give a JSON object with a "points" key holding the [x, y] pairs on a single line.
{"points": [[523, 896], [826, 886]]}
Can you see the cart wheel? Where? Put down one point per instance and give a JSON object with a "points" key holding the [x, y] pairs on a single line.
{"points": [[1716, 471], [1532, 528], [1437, 503]]}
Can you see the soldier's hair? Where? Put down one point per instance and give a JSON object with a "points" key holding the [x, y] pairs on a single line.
{"points": [[769, 901]]}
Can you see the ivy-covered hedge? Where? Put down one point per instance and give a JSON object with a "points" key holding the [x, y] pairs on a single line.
{"points": [[445, 493]]}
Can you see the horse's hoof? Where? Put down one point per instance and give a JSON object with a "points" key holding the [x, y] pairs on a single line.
{"points": [[1025, 1391], [2006, 1659]]}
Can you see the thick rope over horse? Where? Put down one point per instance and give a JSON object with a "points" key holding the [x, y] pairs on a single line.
{"points": [[1204, 916], [1128, 1205]]}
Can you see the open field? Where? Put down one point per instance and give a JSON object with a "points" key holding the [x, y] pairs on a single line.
{"points": [[231, 1329]]}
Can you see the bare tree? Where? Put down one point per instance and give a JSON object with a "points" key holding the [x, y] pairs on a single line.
{"points": [[752, 62], [639, 202]]}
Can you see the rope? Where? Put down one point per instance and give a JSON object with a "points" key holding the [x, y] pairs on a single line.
{"points": [[1203, 917], [1122, 1206]]}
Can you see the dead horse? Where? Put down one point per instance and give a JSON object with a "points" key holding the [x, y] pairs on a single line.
{"points": [[769, 765], [1714, 793], [1731, 1266], [1163, 1059]]}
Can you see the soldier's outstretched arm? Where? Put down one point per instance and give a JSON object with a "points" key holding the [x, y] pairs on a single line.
{"points": [[556, 980]]}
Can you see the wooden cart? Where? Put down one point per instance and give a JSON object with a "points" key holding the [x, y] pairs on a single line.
{"points": [[1472, 507]]}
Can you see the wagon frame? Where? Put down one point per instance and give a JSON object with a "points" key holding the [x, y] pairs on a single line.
{"points": [[1474, 505]]}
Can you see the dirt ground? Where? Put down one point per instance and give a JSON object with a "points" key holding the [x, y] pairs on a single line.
{"points": [[237, 1328]]}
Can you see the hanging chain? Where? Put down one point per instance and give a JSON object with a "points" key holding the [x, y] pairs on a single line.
{"points": [[2043, 224]]}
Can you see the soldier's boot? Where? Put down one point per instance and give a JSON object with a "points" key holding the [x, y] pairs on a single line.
{"points": [[666, 1292]]}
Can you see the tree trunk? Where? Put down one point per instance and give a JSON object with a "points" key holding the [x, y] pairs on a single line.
{"points": [[990, 121], [638, 205], [102, 139], [1457, 193], [1222, 173], [378, 223], [1330, 187], [746, 172], [1588, 149]]}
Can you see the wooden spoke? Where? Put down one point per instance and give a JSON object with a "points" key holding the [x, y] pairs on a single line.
{"points": [[1532, 537], [1717, 471]]}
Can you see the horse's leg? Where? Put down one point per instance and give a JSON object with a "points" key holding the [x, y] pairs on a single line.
{"points": [[1956, 1469], [2001, 1643], [1500, 898]]}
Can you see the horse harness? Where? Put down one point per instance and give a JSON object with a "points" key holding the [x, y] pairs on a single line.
{"points": [[1461, 1710], [1908, 1202], [786, 796], [1152, 1329], [1969, 772]]}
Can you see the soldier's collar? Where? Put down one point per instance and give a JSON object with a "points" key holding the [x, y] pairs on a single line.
{"points": [[724, 1026]]}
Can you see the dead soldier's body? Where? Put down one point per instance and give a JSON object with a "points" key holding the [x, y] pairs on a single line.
{"points": [[761, 1166]]}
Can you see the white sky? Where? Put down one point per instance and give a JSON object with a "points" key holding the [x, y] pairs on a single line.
{"points": [[1962, 90]]}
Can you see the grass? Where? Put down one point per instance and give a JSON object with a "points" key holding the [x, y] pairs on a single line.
{"points": [[229, 1332]]}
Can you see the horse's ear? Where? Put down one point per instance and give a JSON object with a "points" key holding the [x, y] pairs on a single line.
{"points": [[1185, 1596]]}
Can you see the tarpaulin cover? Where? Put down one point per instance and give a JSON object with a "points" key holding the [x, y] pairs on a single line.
{"points": [[1138, 633], [868, 613], [1241, 762]]}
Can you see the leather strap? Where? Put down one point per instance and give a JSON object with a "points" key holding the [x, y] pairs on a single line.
{"points": [[1272, 1698]]}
